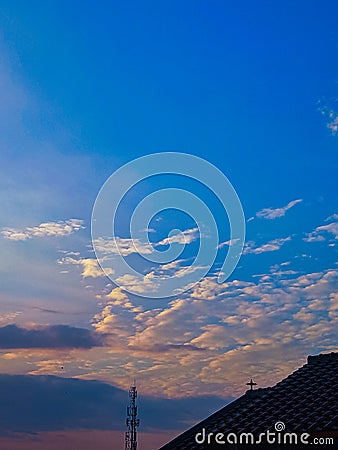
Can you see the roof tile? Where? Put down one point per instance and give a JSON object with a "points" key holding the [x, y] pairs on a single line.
{"points": [[305, 401]]}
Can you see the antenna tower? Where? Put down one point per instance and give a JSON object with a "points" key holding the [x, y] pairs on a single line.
{"points": [[132, 421]]}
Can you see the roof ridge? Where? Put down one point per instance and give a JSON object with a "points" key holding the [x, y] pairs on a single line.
{"points": [[311, 359]]}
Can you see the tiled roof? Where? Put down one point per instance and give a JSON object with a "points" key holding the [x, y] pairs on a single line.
{"points": [[306, 402]]}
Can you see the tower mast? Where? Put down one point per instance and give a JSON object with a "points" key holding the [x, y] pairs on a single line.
{"points": [[132, 421]]}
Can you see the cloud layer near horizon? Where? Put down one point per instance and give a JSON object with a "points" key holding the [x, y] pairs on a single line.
{"points": [[55, 403]]}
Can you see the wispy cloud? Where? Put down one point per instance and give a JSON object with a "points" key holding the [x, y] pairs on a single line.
{"points": [[332, 217], [228, 243], [333, 123], [271, 246], [45, 229], [274, 213], [129, 246], [185, 237], [313, 237], [331, 117], [320, 233]]}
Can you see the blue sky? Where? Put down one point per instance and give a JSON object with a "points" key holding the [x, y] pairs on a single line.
{"points": [[251, 88]]}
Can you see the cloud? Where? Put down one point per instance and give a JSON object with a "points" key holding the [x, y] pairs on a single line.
{"points": [[174, 265], [149, 230], [116, 320], [228, 243], [184, 237], [154, 280], [333, 123], [320, 233], [331, 117], [331, 228], [332, 217], [148, 283], [10, 316], [313, 237], [53, 336], [123, 246], [221, 334], [214, 336], [129, 246], [270, 213], [271, 246], [46, 229], [55, 403], [90, 267], [118, 297], [157, 348]]}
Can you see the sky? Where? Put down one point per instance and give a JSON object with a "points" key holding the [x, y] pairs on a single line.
{"points": [[88, 87]]}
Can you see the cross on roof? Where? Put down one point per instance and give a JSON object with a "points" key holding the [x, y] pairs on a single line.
{"points": [[251, 384]]}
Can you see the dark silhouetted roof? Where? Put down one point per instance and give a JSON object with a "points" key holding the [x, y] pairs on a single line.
{"points": [[306, 402]]}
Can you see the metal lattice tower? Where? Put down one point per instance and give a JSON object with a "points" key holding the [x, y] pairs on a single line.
{"points": [[132, 421]]}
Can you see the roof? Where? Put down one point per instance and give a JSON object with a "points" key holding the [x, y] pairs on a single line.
{"points": [[306, 402]]}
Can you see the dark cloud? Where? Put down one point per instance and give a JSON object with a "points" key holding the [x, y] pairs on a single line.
{"points": [[46, 310], [54, 336], [30, 404]]}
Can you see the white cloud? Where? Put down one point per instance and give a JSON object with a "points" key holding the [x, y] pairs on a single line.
{"points": [[245, 323], [184, 237], [331, 116], [129, 246], [332, 123], [228, 243], [332, 217], [270, 213], [170, 266], [46, 229], [331, 228], [313, 237], [149, 230], [130, 282], [122, 246], [90, 267], [216, 336], [271, 246], [320, 232], [118, 297]]}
